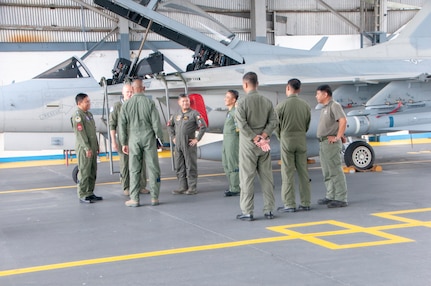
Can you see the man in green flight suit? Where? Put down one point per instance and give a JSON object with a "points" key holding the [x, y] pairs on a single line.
{"points": [[256, 120], [294, 115], [139, 129], [230, 147], [86, 147], [114, 117], [182, 128]]}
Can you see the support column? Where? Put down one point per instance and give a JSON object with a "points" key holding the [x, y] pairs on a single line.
{"points": [[124, 40], [258, 21]]}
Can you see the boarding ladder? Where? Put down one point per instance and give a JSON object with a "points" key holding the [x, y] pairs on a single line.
{"points": [[166, 79], [105, 119]]}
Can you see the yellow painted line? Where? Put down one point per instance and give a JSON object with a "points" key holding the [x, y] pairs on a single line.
{"points": [[286, 230], [402, 142], [419, 152], [406, 162], [37, 189], [140, 255], [316, 238], [36, 163], [65, 187]]}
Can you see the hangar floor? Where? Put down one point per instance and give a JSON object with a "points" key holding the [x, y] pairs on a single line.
{"points": [[382, 238]]}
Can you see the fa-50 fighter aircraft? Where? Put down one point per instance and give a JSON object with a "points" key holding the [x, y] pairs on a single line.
{"points": [[383, 88]]}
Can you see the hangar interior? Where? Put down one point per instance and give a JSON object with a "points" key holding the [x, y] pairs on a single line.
{"points": [[36, 35], [29, 27]]}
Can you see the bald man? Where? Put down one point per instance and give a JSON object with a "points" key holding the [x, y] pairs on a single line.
{"points": [[114, 115]]}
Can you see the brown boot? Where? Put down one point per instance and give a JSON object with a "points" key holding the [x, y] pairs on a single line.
{"points": [[179, 192], [132, 203], [191, 192]]}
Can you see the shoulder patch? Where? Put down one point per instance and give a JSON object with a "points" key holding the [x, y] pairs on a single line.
{"points": [[77, 119]]}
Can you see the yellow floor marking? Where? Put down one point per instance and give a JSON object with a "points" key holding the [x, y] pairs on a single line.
{"points": [[70, 187], [288, 234], [346, 229], [140, 255], [402, 142], [167, 154], [419, 152]]}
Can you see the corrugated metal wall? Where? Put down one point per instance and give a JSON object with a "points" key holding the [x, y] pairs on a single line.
{"points": [[65, 21], [42, 21]]}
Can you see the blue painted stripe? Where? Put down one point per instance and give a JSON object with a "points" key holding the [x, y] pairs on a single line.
{"points": [[391, 121], [43, 157]]}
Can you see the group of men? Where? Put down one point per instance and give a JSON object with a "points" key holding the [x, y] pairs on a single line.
{"points": [[255, 119], [249, 123], [135, 130]]}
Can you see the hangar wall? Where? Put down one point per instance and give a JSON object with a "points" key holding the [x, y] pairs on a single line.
{"points": [[37, 34]]}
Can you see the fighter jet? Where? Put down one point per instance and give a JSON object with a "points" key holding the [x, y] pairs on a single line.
{"points": [[382, 88]]}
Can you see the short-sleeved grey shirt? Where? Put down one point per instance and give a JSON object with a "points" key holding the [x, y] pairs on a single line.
{"points": [[329, 116]]}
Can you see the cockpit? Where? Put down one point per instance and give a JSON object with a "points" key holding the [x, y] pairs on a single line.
{"points": [[200, 21], [183, 23], [70, 68]]}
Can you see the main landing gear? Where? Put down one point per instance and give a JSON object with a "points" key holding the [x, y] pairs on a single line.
{"points": [[359, 156]]}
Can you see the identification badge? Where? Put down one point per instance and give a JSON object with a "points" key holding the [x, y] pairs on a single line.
{"points": [[178, 117], [185, 118]]}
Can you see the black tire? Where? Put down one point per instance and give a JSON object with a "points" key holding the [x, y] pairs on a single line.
{"points": [[360, 155], [75, 175]]}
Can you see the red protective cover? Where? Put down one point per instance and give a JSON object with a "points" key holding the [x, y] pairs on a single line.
{"points": [[197, 103]]}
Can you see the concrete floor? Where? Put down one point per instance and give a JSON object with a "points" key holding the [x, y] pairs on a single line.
{"points": [[382, 238]]}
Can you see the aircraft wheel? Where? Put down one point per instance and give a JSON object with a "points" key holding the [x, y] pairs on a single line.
{"points": [[75, 175], [360, 155]]}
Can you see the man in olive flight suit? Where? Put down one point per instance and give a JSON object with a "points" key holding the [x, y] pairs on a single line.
{"points": [[256, 121], [86, 147], [230, 147], [139, 129], [182, 128], [114, 117], [294, 115]]}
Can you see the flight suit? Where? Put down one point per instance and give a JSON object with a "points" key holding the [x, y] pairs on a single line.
{"points": [[254, 115], [230, 151], [139, 128], [182, 127], [294, 120], [114, 117], [84, 128], [330, 153]]}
